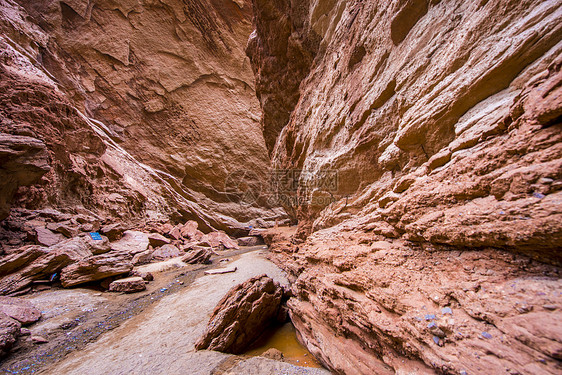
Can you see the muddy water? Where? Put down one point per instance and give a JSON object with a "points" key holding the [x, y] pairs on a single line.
{"points": [[160, 337], [284, 339]]}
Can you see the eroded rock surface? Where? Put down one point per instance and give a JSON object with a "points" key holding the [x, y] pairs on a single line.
{"points": [[429, 133], [242, 315]]}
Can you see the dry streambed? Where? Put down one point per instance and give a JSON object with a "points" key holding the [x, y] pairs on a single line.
{"points": [[152, 332]]}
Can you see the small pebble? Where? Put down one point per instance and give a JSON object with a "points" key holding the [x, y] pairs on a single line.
{"points": [[25, 332], [538, 195], [549, 307], [436, 340], [39, 340], [447, 310], [463, 372], [431, 325], [486, 335], [429, 317]]}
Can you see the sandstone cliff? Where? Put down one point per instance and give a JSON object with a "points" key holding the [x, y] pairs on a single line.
{"points": [[172, 95], [442, 121]]}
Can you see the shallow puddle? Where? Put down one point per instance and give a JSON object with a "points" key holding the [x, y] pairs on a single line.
{"points": [[284, 339]]}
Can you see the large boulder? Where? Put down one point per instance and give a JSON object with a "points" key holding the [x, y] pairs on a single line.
{"points": [[132, 242], [156, 239], [166, 252], [128, 285], [242, 315], [9, 331], [250, 241], [199, 255], [96, 268], [19, 309], [219, 239], [189, 230]]}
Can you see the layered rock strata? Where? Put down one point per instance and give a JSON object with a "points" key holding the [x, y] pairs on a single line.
{"points": [[171, 91], [441, 121]]}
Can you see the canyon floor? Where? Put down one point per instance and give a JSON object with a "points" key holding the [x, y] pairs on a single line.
{"points": [[152, 332]]}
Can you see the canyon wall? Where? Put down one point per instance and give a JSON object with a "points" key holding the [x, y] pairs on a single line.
{"points": [[438, 249], [145, 110]]}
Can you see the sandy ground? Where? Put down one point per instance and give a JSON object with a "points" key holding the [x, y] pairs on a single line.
{"points": [[160, 338]]}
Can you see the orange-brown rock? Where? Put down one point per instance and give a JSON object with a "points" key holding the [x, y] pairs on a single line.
{"points": [[156, 103], [242, 315], [128, 285], [96, 268], [198, 255], [426, 138]]}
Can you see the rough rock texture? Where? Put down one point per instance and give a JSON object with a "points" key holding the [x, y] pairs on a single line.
{"points": [[128, 285], [199, 255], [242, 315], [166, 252], [96, 268], [250, 241], [9, 331], [19, 309], [20, 268], [442, 120], [139, 111]]}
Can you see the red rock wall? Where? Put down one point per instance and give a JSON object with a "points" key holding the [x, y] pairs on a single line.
{"points": [[172, 85], [442, 120]]}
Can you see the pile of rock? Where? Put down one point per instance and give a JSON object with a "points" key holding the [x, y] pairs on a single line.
{"points": [[14, 313], [81, 249]]}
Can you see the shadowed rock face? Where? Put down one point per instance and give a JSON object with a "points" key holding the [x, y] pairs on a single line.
{"points": [[242, 316], [442, 121], [173, 89]]}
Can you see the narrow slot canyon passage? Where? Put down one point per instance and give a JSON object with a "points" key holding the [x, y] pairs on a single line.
{"points": [[281, 187]]}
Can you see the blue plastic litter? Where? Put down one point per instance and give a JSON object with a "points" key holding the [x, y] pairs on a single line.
{"points": [[431, 325], [163, 289], [436, 340], [95, 236], [429, 317], [447, 310], [486, 335], [538, 195]]}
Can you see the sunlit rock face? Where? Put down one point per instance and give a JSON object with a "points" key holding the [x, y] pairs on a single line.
{"points": [[442, 121], [172, 87]]}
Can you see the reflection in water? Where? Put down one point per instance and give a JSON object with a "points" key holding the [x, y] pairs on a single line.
{"points": [[284, 339]]}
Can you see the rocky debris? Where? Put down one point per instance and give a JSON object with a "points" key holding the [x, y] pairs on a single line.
{"points": [[9, 331], [19, 269], [45, 237], [19, 309], [96, 268], [113, 231], [242, 315], [132, 242], [219, 240], [156, 239], [128, 285], [220, 271], [250, 241], [199, 255], [166, 252]]}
